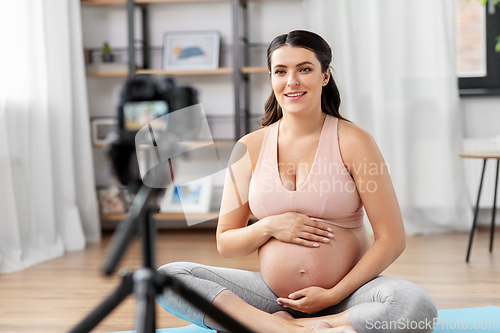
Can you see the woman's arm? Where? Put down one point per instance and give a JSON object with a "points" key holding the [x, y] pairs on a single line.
{"points": [[371, 175], [234, 238]]}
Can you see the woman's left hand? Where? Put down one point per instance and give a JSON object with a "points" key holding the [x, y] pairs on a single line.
{"points": [[308, 300]]}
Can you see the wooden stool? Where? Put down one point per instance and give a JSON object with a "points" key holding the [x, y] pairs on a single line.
{"points": [[485, 156]]}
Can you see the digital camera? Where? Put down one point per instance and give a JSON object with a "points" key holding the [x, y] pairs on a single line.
{"points": [[144, 102]]}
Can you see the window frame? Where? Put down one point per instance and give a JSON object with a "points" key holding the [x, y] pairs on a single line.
{"points": [[489, 84]]}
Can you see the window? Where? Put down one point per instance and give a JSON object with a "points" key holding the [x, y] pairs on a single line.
{"points": [[478, 63]]}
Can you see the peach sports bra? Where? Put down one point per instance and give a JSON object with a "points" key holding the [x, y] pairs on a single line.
{"points": [[328, 194]]}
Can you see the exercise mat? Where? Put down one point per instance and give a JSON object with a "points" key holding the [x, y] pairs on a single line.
{"points": [[481, 320]]}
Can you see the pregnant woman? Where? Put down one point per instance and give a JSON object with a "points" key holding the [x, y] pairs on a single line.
{"points": [[310, 175]]}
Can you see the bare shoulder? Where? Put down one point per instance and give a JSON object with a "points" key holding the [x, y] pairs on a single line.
{"points": [[253, 142], [356, 144], [352, 134]]}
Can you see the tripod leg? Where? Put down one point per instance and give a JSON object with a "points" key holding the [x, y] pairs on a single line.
{"points": [[109, 304], [145, 291], [144, 279]]}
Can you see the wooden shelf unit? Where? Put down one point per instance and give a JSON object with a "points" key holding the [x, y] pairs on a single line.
{"points": [[162, 216], [170, 220], [218, 71], [239, 72], [168, 216], [139, 2], [254, 70], [240, 69], [192, 144], [113, 217], [151, 2]]}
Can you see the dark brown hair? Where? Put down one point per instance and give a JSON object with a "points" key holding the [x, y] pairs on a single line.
{"points": [[330, 97]]}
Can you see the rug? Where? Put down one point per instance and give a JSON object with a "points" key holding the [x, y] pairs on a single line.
{"points": [[482, 320]]}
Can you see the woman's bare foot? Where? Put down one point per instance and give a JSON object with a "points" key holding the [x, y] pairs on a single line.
{"points": [[344, 329], [283, 314], [327, 328], [320, 328], [317, 327]]}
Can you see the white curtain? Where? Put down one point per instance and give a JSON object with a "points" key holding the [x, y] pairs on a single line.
{"points": [[47, 194], [394, 61]]}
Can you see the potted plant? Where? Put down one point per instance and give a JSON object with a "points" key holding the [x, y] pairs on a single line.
{"points": [[107, 54]]}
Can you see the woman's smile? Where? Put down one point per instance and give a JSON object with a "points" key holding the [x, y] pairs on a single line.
{"points": [[295, 95]]}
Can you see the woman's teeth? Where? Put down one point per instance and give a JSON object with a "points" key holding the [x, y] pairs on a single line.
{"points": [[295, 94]]}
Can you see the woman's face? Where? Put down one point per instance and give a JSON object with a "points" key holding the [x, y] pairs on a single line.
{"points": [[297, 79]]}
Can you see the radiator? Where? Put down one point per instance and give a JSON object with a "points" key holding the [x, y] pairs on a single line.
{"points": [[473, 167]]}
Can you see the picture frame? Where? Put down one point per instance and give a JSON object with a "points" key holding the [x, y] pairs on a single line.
{"points": [[192, 197], [104, 130], [191, 50]]}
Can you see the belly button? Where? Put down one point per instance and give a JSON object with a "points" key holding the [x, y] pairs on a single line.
{"points": [[302, 271]]}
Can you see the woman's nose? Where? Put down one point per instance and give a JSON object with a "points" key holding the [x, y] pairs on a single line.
{"points": [[293, 80]]}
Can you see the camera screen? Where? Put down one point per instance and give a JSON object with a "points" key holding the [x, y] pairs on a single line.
{"points": [[139, 114]]}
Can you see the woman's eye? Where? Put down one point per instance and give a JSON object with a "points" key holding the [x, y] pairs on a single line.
{"points": [[279, 72], [305, 69]]}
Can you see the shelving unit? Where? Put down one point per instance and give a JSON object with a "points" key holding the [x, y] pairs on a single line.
{"points": [[240, 69], [218, 71], [240, 73], [194, 144], [170, 220], [139, 2]]}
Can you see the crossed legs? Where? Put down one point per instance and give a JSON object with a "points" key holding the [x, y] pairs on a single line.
{"points": [[244, 295], [260, 321]]}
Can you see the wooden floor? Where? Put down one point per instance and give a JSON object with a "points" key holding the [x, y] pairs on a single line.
{"points": [[54, 296]]}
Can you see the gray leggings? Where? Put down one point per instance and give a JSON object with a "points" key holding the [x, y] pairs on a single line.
{"points": [[384, 304]]}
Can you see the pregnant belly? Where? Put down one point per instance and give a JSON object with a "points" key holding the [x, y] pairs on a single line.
{"points": [[287, 267]]}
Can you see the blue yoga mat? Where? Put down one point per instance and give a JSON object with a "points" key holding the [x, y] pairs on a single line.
{"points": [[481, 320], [183, 329]]}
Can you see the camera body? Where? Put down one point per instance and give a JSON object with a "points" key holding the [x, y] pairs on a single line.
{"points": [[143, 99]]}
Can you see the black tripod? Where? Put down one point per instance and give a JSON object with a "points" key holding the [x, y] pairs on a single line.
{"points": [[147, 281]]}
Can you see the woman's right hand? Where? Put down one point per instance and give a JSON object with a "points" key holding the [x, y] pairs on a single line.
{"points": [[298, 229]]}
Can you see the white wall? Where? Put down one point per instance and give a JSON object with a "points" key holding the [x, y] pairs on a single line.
{"points": [[481, 116]]}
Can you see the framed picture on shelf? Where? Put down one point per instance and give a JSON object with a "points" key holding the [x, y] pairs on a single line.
{"points": [[191, 50], [192, 197], [104, 130], [113, 200]]}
